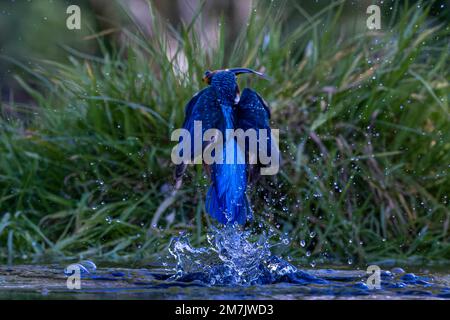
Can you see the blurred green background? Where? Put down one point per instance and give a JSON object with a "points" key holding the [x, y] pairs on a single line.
{"points": [[31, 29]]}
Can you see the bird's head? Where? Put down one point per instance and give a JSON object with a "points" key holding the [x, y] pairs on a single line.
{"points": [[225, 80], [229, 74]]}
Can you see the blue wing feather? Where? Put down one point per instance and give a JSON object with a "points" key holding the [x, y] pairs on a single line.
{"points": [[253, 113], [202, 107], [191, 105]]}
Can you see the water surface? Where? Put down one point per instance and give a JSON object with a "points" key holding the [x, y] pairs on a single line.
{"points": [[230, 267], [49, 282]]}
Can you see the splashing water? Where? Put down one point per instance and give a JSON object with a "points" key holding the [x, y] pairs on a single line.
{"points": [[232, 259]]}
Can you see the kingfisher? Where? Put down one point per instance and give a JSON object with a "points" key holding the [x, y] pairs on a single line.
{"points": [[221, 106]]}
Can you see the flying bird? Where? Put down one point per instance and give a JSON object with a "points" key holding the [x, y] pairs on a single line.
{"points": [[221, 106]]}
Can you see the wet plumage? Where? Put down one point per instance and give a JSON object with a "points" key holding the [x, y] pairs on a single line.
{"points": [[220, 106]]}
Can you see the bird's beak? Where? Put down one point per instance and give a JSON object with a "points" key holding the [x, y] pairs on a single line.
{"points": [[238, 71]]}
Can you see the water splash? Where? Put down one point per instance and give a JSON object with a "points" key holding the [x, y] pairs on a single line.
{"points": [[238, 258], [232, 259]]}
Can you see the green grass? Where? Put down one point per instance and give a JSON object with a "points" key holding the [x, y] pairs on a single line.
{"points": [[364, 125]]}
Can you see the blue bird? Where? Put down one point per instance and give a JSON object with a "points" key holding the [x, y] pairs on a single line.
{"points": [[221, 106]]}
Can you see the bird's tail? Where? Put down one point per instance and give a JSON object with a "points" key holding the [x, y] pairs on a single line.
{"points": [[219, 207], [226, 200]]}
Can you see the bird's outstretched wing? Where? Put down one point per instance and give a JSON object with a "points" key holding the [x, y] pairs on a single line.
{"points": [[205, 108], [252, 112]]}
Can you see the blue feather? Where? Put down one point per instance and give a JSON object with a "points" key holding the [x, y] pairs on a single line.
{"points": [[226, 200]]}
